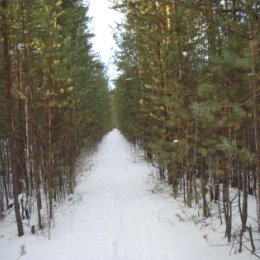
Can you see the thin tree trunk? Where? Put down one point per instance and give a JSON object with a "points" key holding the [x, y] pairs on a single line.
{"points": [[203, 182], [226, 202], [255, 53], [10, 111], [36, 174]]}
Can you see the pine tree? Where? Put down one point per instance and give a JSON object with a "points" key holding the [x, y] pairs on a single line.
{"points": [[57, 99], [192, 70]]}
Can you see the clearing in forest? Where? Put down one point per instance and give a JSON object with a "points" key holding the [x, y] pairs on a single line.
{"points": [[120, 211]]}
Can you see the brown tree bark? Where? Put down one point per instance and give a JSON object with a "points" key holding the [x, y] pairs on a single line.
{"points": [[10, 110], [255, 65]]}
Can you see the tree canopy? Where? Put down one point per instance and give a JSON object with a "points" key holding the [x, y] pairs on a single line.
{"points": [[188, 94], [54, 101]]}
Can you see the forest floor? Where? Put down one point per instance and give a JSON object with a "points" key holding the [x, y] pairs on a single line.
{"points": [[120, 211]]}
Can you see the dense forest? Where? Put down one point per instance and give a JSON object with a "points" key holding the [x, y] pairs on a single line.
{"points": [[188, 94], [54, 101]]}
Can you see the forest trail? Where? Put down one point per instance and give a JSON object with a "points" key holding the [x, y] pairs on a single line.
{"points": [[122, 214]]}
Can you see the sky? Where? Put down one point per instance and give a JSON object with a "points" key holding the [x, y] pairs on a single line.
{"points": [[104, 19]]}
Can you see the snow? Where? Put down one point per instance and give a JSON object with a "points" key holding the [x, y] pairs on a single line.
{"points": [[120, 211]]}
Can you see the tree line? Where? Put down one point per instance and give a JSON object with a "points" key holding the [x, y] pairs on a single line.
{"points": [[54, 100], [188, 94]]}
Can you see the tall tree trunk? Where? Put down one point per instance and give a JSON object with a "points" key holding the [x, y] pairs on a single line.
{"points": [[203, 183], [11, 119], [226, 201], [254, 47], [37, 178], [21, 123]]}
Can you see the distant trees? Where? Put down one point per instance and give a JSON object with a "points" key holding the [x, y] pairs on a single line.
{"points": [[188, 94], [54, 101]]}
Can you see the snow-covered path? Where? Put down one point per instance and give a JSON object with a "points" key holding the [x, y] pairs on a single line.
{"points": [[120, 217]]}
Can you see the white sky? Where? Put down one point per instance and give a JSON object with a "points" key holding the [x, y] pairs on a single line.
{"points": [[103, 20]]}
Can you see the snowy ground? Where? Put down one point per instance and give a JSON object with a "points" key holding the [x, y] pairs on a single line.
{"points": [[120, 211]]}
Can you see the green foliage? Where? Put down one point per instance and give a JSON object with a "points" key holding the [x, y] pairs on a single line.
{"points": [[227, 146], [60, 92], [189, 72]]}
